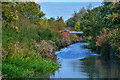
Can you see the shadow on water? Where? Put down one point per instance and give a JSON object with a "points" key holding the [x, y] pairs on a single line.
{"points": [[77, 62]]}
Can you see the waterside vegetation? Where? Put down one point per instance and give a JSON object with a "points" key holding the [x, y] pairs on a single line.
{"points": [[101, 26], [30, 39]]}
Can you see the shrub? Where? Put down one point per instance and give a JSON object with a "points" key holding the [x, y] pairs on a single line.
{"points": [[23, 67]]}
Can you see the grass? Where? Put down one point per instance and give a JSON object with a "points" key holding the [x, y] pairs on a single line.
{"points": [[20, 68]]}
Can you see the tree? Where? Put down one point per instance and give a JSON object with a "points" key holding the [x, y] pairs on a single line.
{"points": [[90, 6], [60, 23], [82, 11], [76, 18], [77, 26]]}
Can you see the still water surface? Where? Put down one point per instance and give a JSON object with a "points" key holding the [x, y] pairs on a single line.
{"points": [[78, 62]]}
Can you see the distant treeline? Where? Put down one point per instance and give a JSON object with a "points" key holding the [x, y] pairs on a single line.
{"points": [[101, 26]]}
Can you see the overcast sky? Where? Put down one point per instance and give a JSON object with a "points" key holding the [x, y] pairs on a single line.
{"points": [[69, 0]]}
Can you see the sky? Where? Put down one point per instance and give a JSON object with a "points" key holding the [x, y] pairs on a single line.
{"points": [[61, 0], [68, 0]]}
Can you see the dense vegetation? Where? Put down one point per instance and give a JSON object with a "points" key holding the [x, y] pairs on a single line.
{"points": [[29, 40], [101, 26]]}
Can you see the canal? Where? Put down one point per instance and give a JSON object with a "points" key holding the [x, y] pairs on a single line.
{"points": [[78, 62]]}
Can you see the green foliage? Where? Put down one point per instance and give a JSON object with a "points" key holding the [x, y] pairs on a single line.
{"points": [[93, 22], [9, 12], [77, 26], [72, 21], [76, 18], [23, 29], [60, 23], [26, 34], [20, 68], [111, 18], [9, 70], [46, 34], [32, 11]]}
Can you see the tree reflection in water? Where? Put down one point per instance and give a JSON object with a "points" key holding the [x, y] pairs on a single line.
{"points": [[97, 67]]}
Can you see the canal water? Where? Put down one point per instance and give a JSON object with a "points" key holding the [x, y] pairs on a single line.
{"points": [[78, 62]]}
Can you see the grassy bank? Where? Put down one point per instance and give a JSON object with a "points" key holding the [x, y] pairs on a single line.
{"points": [[17, 67], [28, 43]]}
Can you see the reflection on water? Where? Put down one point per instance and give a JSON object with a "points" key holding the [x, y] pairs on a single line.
{"points": [[77, 62]]}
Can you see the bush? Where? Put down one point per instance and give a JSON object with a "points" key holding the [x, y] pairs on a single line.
{"points": [[23, 30], [108, 42], [17, 67], [46, 34]]}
